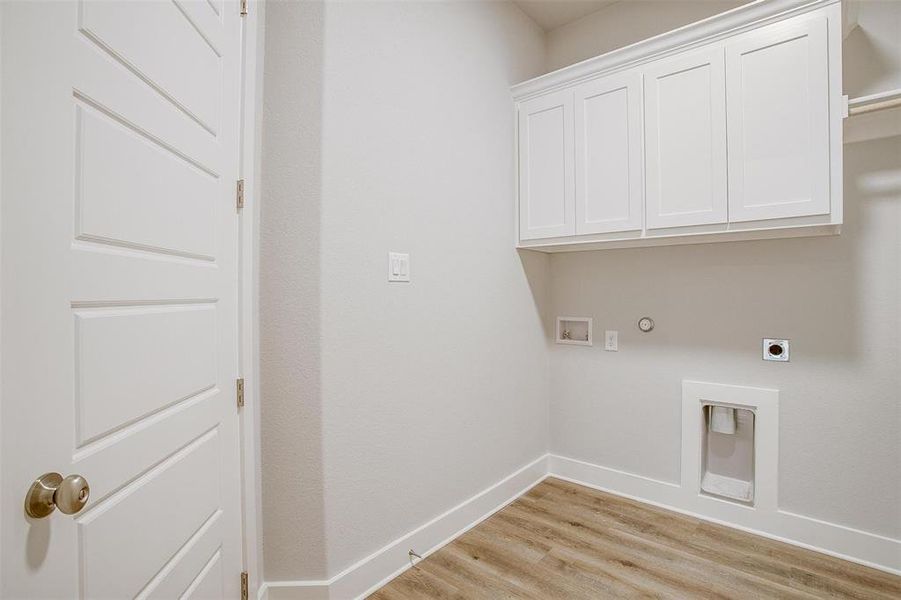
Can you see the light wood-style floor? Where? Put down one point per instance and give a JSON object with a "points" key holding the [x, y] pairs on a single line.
{"points": [[562, 540]]}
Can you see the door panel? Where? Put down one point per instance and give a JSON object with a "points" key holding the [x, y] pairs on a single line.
{"points": [[155, 356], [119, 296], [546, 168], [195, 568], [608, 154], [207, 585], [134, 104], [183, 66], [685, 129], [777, 81], [132, 192], [108, 531]]}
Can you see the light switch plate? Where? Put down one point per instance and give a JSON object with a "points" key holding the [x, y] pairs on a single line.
{"points": [[611, 341], [398, 266]]}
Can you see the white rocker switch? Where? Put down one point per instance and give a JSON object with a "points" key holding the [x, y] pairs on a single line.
{"points": [[398, 267]]}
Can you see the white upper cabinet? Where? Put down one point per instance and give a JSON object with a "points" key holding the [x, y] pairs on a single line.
{"points": [[608, 154], [778, 95], [728, 129], [546, 173], [685, 134]]}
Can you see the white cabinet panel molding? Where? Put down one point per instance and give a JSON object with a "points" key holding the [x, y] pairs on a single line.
{"points": [[685, 133], [777, 90], [546, 172], [609, 154]]}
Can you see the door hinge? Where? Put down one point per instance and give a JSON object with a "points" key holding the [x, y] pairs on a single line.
{"points": [[239, 193], [240, 392], [245, 592], [243, 8]]}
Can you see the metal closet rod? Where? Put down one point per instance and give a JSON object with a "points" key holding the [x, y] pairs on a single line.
{"points": [[874, 102]]}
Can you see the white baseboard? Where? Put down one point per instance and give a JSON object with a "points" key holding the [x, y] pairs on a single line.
{"points": [[369, 574], [372, 572], [294, 590], [843, 542]]}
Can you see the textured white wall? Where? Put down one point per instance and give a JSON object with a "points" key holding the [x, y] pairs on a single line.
{"points": [[625, 23], [433, 390], [290, 403], [873, 49], [389, 126], [837, 298]]}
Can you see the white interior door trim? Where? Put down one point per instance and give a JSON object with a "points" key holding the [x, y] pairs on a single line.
{"points": [[248, 361], [248, 345]]}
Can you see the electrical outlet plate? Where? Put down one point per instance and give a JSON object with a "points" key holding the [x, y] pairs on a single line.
{"points": [[611, 341], [776, 349]]}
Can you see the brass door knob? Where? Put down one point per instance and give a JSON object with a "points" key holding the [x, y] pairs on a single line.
{"points": [[50, 491]]}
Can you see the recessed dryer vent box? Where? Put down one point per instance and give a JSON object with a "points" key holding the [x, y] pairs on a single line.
{"points": [[574, 330], [730, 448], [727, 453]]}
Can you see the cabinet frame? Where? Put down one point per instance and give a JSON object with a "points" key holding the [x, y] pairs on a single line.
{"points": [[722, 30]]}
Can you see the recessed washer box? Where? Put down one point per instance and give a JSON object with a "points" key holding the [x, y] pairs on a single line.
{"points": [[574, 330]]}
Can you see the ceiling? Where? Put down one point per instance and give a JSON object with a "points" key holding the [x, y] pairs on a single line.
{"points": [[550, 14]]}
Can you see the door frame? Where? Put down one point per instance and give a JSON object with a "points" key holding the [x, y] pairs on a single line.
{"points": [[253, 45]]}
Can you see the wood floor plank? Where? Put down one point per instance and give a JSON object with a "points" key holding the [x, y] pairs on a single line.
{"points": [[520, 544], [606, 584], [562, 540], [665, 571], [527, 577], [820, 571], [420, 584], [473, 578], [678, 532]]}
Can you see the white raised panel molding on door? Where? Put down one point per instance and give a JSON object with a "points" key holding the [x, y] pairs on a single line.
{"points": [[778, 95], [727, 129], [685, 135], [608, 154], [546, 207]]}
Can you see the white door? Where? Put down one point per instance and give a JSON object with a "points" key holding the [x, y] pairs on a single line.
{"points": [[120, 125], [608, 154], [778, 123], [546, 171], [685, 139]]}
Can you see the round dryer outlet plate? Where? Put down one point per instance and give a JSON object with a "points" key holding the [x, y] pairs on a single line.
{"points": [[775, 350]]}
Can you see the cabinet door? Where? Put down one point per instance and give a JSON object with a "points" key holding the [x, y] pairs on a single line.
{"points": [[546, 173], [778, 123], [685, 139], [608, 154]]}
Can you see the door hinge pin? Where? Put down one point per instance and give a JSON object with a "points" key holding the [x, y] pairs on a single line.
{"points": [[245, 592], [240, 392], [239, 191], [243, 8]]}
